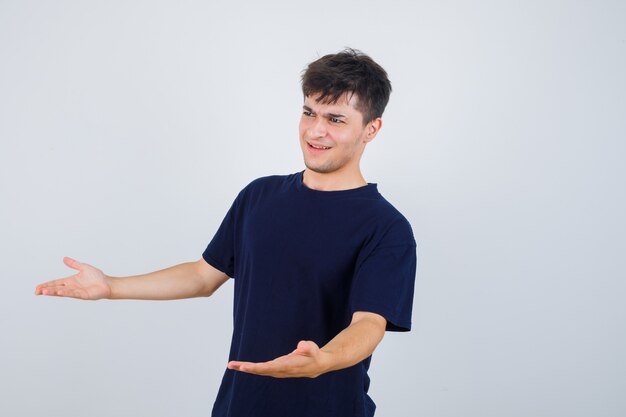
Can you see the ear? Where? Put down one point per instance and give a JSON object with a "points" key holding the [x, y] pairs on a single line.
{"points": [[372, 129]]}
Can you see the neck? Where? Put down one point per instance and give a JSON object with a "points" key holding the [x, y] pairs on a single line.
{"points": [[333, 181]]}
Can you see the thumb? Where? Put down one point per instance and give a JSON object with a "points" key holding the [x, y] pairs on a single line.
{"points": [[306, 346], [72, 263]]}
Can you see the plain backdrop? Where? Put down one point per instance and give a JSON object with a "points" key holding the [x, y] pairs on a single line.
{"points": [[128, 127]]}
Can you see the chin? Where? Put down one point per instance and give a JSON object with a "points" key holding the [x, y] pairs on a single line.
{"points": [[321, 169]]}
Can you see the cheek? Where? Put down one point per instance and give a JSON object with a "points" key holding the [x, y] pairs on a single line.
{"points": [[302, 128], [340, 137]]}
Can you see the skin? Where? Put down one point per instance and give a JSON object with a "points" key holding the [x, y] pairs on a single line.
{"points": [[340, 128], [187, 280]]}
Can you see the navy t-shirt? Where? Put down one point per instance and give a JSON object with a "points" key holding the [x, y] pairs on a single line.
{"points": [[303, 261]]}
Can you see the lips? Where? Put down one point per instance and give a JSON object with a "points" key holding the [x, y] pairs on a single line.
{"points": [[318, 146]]}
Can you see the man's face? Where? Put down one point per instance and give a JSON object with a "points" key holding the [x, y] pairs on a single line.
{"points": [[332, 136]]}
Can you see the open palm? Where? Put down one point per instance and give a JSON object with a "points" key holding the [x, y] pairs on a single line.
{"points": [[305, 361], [88, 284]]}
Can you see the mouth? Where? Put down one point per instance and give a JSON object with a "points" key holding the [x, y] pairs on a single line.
{"points": [[318, 147]]}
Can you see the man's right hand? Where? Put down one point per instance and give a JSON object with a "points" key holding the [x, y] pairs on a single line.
{"points": [[88, 284], [186, 280]]}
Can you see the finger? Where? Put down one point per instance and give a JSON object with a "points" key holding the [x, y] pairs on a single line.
{"points": [[72, 263], [64, 292], [55, 283], [306, 347], [49, 291], [303, 347], [262, 368], [237, 365], [52, 289]]}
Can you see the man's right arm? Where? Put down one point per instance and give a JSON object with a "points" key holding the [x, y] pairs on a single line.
{"points": [[187, 280]]}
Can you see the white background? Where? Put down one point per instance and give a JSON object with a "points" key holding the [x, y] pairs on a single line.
{"points": [[128, 127]]}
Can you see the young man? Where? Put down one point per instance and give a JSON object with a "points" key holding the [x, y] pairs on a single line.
{"points": [[322, 263]]}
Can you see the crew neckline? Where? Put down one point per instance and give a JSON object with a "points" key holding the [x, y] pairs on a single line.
{"points": [[370, 187]]}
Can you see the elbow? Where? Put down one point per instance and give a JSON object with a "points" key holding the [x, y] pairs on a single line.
{"points": [[209, 279]]}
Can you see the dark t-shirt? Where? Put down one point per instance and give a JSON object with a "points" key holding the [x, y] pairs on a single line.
{"points": [[303, 261]]}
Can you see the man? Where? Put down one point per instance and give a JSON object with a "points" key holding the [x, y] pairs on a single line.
{"points": [[322, 263]]}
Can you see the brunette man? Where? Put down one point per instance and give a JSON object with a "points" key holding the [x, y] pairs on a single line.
{"points": [[322, 263]]}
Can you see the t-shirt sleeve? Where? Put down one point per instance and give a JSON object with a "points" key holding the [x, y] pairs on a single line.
{"points": [[220, 252], [384, 280]]}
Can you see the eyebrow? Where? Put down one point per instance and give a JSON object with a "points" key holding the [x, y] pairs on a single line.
{"points": [[307, 108]]}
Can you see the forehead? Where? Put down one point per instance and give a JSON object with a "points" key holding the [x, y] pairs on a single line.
{"points": [[345, 103]]}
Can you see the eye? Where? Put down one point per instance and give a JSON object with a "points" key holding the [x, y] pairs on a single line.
{"points": [[336, 120], [308, 113]]}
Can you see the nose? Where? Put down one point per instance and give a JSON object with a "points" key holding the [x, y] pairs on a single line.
{"points": [[318, 128]]}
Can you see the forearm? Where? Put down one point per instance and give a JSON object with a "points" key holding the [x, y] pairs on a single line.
{"points": [[355, 343], [176, 282]]}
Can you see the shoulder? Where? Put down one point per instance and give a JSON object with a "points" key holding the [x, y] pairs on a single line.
{"points": [[268, 181], [265, 186], [392, 227]]}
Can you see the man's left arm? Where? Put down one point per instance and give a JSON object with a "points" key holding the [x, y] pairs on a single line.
{"points": [[353, 344]]}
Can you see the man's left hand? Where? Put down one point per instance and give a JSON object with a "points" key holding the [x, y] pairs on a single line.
{"points": [[307, 361]]}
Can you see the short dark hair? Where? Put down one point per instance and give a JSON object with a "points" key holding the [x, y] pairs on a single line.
{"points": [[349, 71]]}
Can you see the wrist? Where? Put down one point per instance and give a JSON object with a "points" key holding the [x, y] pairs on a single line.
{"points": [[110, 282], [327, 360]]}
